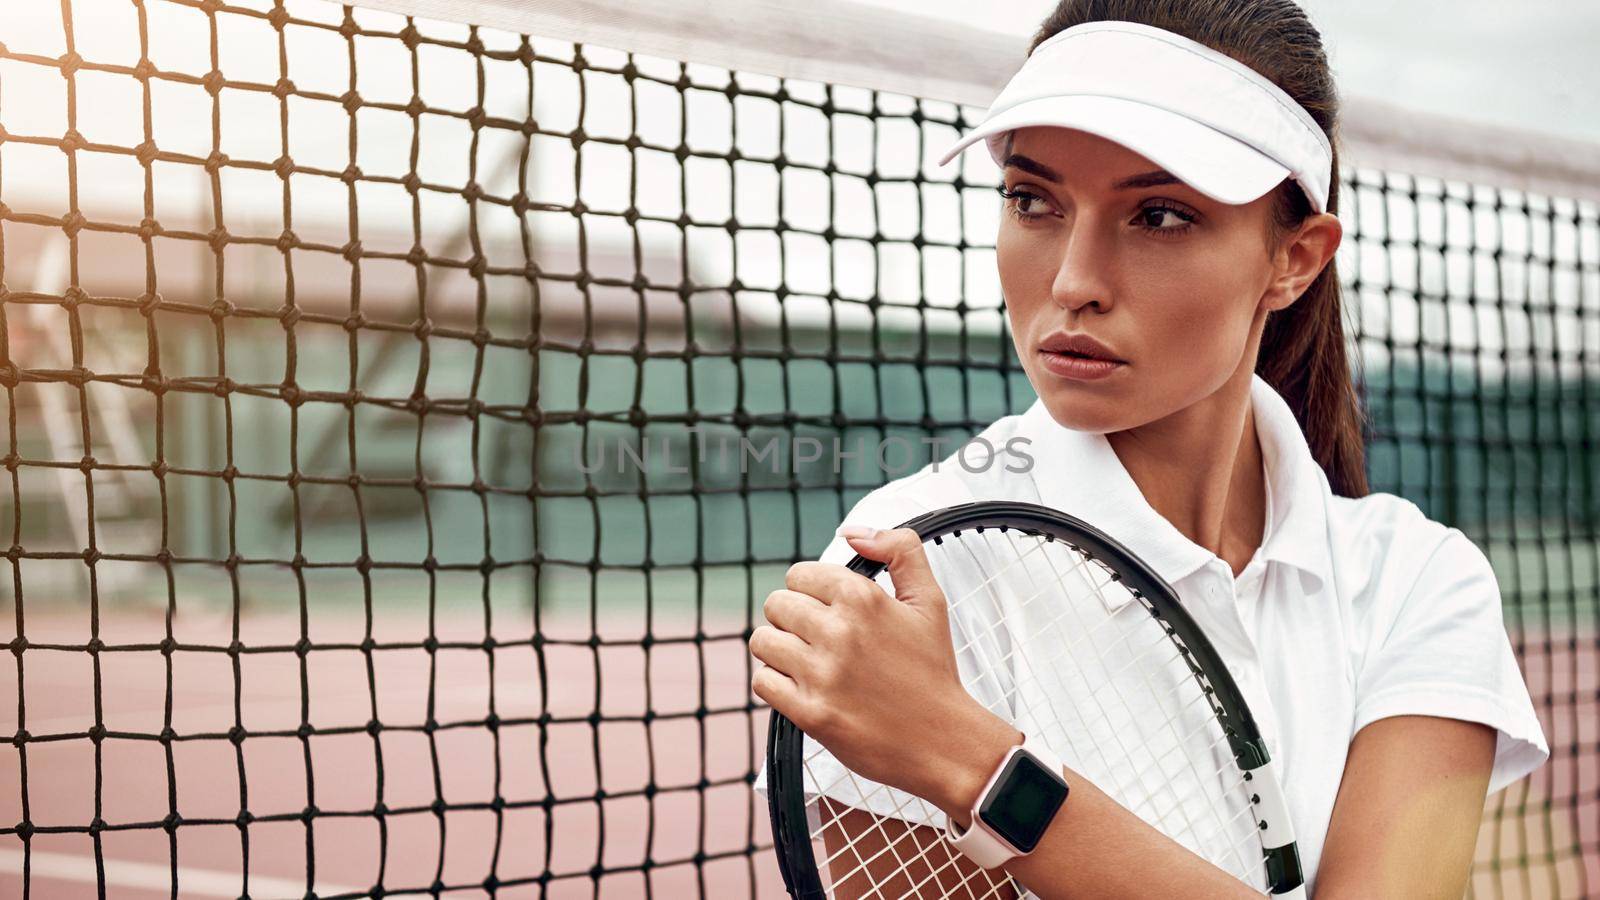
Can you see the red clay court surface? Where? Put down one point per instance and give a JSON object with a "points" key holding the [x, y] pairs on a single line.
{"points": [[59, 699]]}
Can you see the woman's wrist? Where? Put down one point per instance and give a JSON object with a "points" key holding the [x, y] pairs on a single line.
{"points": [[963, 759]]}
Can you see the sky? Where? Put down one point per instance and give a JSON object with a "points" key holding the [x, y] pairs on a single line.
{"points": [[1530, 65]]}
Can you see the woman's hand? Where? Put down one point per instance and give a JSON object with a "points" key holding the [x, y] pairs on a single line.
{"points": [[873, 678]]}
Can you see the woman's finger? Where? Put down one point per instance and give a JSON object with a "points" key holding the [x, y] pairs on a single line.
{"points": [[776, 689], [831, 583], [795, 612], [780, 650]]}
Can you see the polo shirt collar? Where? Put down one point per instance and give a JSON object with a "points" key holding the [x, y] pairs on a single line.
{"points": [[1078, 472]]}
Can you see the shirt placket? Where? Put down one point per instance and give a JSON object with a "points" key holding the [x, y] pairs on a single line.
{"points": [[1231, 606]]}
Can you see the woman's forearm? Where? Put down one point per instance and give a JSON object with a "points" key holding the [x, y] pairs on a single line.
{"points": [[1093, 848]]}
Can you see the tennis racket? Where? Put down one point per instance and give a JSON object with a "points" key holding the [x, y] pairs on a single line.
{"points": [[1066, 634]]}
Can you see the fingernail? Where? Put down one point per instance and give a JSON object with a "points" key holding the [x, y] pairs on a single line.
{"points": [[858, 532]]}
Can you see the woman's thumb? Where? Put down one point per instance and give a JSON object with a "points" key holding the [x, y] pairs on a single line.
{"points": [[901, 548]]}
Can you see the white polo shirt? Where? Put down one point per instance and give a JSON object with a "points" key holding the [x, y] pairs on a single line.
{"points": [[1351, 610]]}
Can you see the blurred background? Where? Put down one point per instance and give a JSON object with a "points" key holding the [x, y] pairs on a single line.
{"points": [[353, 363]]}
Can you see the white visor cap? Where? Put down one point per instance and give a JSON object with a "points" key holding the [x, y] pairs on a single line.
{"points": [[1213, 122]]}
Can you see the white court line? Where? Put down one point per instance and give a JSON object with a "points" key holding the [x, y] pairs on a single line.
{"points": [[124, 873]]}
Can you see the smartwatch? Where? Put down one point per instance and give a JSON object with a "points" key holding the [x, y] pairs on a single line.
{"points": [[1014, 808]]}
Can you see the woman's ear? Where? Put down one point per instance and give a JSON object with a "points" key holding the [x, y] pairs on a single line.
{"points": [[1301, 258]]}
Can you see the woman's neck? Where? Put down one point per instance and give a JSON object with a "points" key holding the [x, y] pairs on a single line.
{"points": [[1201, 470]]}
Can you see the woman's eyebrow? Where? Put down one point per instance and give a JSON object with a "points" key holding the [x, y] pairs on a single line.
{"points": [[1143, 180]]}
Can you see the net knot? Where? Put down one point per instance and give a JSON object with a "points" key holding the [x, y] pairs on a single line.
{"points": [[72, 223], [283, 88], [149, 228], [213, 82], [287, 240], [351, 101]]}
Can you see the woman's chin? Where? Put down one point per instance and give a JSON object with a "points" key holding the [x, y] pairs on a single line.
{"points": [[1080, 411]]}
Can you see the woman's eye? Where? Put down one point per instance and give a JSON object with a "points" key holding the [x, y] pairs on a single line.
{"points": [[1164, 219], [1024, 204]]}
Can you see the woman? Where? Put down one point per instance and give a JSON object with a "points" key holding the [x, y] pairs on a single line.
{"points": [[1170, 197]]}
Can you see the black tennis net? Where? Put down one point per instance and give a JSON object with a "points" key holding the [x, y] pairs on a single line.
{"points": [[405, 420]]}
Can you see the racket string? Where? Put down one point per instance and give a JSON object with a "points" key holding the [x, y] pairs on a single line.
{"points": [[1199, 779], [1159, 776], [1166, 780]]}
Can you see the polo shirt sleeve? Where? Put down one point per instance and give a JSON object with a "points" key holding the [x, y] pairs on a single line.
{"points": [[1441, 650]]}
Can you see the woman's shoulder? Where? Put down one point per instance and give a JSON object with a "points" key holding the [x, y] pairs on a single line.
{"points": [[1384, 546]]}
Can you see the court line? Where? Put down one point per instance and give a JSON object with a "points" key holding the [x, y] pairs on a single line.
{"points": [[124, 873]]}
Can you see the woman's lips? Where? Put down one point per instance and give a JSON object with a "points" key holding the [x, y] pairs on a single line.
{"points": [[1078, 368]]}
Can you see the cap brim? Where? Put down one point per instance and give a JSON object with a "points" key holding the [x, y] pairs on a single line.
{"points": [[1221, 167]]}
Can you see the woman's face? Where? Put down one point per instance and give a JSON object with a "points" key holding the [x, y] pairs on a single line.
{"points": [[1172, 283]]}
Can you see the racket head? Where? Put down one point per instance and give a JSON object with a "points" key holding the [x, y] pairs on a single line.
{"points": [[996, 561]]}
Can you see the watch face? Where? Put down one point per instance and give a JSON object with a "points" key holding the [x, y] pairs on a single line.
{"points": [[1024, 800]]}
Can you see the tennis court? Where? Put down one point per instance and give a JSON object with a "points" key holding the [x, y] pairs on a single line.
{"points": [[354, 366]]}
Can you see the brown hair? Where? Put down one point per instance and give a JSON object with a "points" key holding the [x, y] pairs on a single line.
{"points": [[1302, 354]]}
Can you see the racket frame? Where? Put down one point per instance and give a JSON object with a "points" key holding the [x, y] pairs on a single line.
{"points": [[786, 746]]}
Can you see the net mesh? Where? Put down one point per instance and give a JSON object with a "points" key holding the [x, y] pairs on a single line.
{"points": [[404, 420]]}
